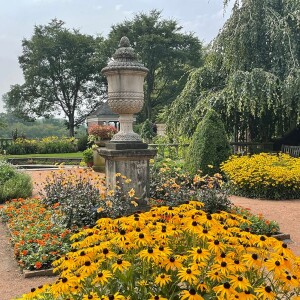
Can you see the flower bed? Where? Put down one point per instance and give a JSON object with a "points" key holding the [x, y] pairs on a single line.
{"points": [[37, 241], [264, 176], [174, 253]]}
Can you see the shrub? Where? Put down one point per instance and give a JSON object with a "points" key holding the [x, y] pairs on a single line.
{"points": [[23, 146], [174, 253], [82, 143], [54, 144], [13, 183], [103, 132], [264, 176], [75, 195], [209, 146], [51, 144], [147, 132], [88, 155], [80, 197], [171, 185], [18, 186]]}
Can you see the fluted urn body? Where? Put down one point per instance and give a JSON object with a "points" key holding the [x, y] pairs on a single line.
{"points": [[125, 76]]}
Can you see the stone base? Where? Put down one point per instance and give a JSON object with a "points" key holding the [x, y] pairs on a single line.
{"points": [[132, 163]]}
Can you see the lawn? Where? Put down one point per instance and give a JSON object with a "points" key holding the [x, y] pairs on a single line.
{"points": [[48, 155]]}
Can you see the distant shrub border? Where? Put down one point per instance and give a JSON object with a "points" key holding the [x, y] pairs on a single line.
{"points": [[13, 183], [264, 176], [51, 144]]}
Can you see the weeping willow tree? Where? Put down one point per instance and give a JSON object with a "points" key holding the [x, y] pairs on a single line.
{"points": [[251, 75]]}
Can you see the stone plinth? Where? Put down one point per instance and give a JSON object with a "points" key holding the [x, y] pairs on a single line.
{"points": [[132, 163]]}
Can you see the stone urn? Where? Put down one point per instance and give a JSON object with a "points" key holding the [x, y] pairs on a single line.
{"points": [[125, 76]]}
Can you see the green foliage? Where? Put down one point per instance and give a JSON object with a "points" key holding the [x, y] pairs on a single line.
{"points": [[168, 53], [61, 68], [39, 128], [82, 142], [250, 76], [75, 198], [209, 146], [88, 155], [259, 225], [147, 132], [13, 184], [171, 184], [19, 186], [52, 144]]}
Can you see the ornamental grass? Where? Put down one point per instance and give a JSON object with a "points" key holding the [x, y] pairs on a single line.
{"points": [[264, 175], [174, 253]]}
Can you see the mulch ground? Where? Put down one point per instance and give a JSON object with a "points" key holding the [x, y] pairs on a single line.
{"points": [[13, 283]]}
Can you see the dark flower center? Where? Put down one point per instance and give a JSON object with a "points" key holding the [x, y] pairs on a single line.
{"points": [[189, 271], [255, 256], [192, 292], [119, 261], [199, 251], [226, 285], [268, 289], [240, 278], [216, 242], [277, 263]]}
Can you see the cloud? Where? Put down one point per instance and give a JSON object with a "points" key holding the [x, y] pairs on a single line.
{"points": [[99, 7], [118, 7]]}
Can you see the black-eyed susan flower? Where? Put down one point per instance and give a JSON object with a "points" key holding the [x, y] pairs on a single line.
{"points": [[239, 282], [224, 291], [190, 295], [162, 279], [199, 254], [92, 296], [121, 265], [151, 254], [102, 277], [265, 292], [173, 263], [189, 274], [275, 264]]}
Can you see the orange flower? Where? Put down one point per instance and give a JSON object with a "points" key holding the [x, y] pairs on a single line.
{"points": [[38, 265]]}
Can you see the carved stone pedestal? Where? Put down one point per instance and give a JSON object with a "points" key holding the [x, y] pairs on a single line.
{"points": [[129, 162]]}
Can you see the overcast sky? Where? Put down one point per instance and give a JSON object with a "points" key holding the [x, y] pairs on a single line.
{"points": [[18, 17]]}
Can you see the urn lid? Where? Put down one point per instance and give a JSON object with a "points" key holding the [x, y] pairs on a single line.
{"points": [[124, 59]]}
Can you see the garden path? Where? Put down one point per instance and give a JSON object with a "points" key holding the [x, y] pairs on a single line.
{"points": [[13, 283], [285, 212]]}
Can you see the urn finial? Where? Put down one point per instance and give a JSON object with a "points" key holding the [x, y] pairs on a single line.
{"points": [[124, 42]]}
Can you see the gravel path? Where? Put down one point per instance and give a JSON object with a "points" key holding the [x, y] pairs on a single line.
{"points": [[13, 283]]}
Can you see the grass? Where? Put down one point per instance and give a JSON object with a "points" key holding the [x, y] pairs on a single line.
{"points": [[50, 155]]}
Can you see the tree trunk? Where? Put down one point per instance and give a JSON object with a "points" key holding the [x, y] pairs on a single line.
{"points": [[71, 126]]}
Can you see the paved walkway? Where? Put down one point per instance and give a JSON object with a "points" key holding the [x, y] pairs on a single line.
{"points": [[285, 212]]}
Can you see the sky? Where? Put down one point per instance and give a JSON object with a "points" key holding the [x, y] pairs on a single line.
{"points": [[18, 17]]}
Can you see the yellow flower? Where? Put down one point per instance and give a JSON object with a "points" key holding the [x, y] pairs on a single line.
{"points": [[190, 295], [131, 192], [162, 279]]}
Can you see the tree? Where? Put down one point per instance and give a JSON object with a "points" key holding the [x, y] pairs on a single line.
{"points": [[168, 53], [209, 146], [61, 68], [250, 76]]}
